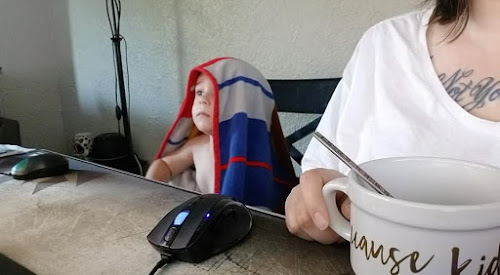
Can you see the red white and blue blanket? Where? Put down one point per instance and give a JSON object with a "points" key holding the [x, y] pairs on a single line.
{"points": [[251, 161]]}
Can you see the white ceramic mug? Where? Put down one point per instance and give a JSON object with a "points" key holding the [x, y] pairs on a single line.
{"points": [[444, 217]]}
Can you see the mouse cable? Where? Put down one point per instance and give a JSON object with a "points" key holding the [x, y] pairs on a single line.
{"points": [[5, 174], [164, 260]]}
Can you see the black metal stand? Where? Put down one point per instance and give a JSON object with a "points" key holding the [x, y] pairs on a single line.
{"points": [[111, 144], [121, 85]]}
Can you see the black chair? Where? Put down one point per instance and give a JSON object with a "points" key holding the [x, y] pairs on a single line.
{"points": [[9, 131], [305, 96]]}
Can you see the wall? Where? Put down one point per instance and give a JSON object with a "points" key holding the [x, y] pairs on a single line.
{"points": [[28, 82], [283, 38]]}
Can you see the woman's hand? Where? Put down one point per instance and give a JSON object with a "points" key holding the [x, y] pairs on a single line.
{"points": [[306, 211]]}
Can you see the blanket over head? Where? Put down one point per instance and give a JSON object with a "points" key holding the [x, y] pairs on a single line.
{"points": [[251, 160]]}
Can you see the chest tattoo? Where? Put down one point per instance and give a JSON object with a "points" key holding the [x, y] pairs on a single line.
{"points": [[468, 93]]}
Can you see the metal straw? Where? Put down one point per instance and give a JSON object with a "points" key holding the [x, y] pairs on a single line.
{"points": [[360, 172]]}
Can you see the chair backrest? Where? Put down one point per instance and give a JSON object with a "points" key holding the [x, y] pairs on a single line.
{"points": [[9, 131], [302, 96]]}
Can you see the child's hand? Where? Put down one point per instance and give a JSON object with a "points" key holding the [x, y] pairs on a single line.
{"points": [[169, 166], [159, 171], [306, 212]]}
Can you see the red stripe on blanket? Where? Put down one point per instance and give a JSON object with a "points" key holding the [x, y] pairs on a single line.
{"points": [[215, 60], [248, 163], [284, 182]]}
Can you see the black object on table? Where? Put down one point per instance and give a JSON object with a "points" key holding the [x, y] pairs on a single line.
{"points": [[8, 266]]}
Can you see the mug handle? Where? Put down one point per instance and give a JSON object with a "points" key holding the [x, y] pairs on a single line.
{"points": [[338, 223]]}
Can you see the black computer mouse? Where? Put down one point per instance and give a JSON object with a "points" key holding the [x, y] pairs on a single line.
{"points": [[39, 165], [200, 228]]}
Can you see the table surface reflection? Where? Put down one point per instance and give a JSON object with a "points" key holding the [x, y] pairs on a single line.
{"points": [[94, 220]]}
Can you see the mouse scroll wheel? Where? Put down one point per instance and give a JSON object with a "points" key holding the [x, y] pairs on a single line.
{"points": [[169, 237], [230, 214]]}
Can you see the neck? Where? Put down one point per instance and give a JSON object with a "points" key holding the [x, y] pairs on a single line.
{"points": [[485, 16]]}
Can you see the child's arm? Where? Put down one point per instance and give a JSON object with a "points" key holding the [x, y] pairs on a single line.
{"points": [[166, 168]]}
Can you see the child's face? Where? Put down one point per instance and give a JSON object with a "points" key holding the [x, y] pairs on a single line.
{"points": [[202, 110]]}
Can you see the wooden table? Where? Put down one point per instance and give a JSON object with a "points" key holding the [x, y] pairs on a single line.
{"points": [[94, 220]]}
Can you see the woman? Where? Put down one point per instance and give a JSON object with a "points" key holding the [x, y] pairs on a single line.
{"points": [[423, 84]]}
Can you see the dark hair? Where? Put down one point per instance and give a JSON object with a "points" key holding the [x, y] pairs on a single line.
{"points": [[454, 12]]}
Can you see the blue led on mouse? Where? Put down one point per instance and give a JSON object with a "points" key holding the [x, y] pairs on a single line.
{"points": [[181, 217], [200, 228]]}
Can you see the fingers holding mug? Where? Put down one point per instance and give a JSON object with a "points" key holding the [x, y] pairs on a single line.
{"points": [[301, 224], [295, 211], [306, 212], [311, 185], [341, 224], [344, 204]]}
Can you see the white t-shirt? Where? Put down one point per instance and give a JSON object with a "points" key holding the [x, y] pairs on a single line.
{"points": [[391, 103]]}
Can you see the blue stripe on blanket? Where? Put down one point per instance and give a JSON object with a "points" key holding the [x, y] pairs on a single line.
{"points": [[243, 136], [249, 180], [253, 82], [177, 142], [256, 188]]}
